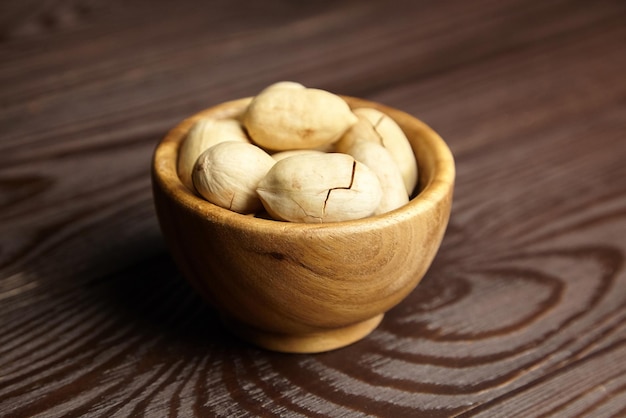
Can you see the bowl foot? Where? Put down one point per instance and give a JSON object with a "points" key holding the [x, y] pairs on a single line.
{"points": [[315, 342]]}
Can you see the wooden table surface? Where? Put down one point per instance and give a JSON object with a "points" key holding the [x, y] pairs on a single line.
{"points": [[523, 312]]}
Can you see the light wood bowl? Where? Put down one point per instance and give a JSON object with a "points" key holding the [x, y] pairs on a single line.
{"points": [[296, 287]]}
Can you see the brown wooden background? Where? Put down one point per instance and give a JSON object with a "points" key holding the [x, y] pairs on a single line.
{"points": [[523, 312]]}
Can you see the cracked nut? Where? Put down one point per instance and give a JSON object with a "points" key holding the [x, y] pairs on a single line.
{"points": [[204, 134], [228, 173], [373, 125], [379, 160], [329, 187], [287, 117]]}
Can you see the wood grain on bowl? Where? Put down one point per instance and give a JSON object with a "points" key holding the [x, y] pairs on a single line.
{"points": [[299, 287]]}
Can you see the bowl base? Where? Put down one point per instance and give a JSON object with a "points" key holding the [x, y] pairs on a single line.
{"points": [[316, 342]]}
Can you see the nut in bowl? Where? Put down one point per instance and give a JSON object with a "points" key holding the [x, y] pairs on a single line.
{"points": [[304, 287]]}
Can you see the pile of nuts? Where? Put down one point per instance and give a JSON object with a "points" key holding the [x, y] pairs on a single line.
{"points": [[302, 155]]}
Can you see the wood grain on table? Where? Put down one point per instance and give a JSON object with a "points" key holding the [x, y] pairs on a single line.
{"points": [[523, 312]]}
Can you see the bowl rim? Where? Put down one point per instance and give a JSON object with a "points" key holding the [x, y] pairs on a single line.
{"points": [[165, 176]]}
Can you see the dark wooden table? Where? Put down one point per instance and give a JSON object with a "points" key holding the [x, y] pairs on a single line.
{"points": [[523, 312]]}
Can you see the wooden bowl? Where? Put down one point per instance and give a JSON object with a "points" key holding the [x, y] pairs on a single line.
{"points": [[296, 287]]}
